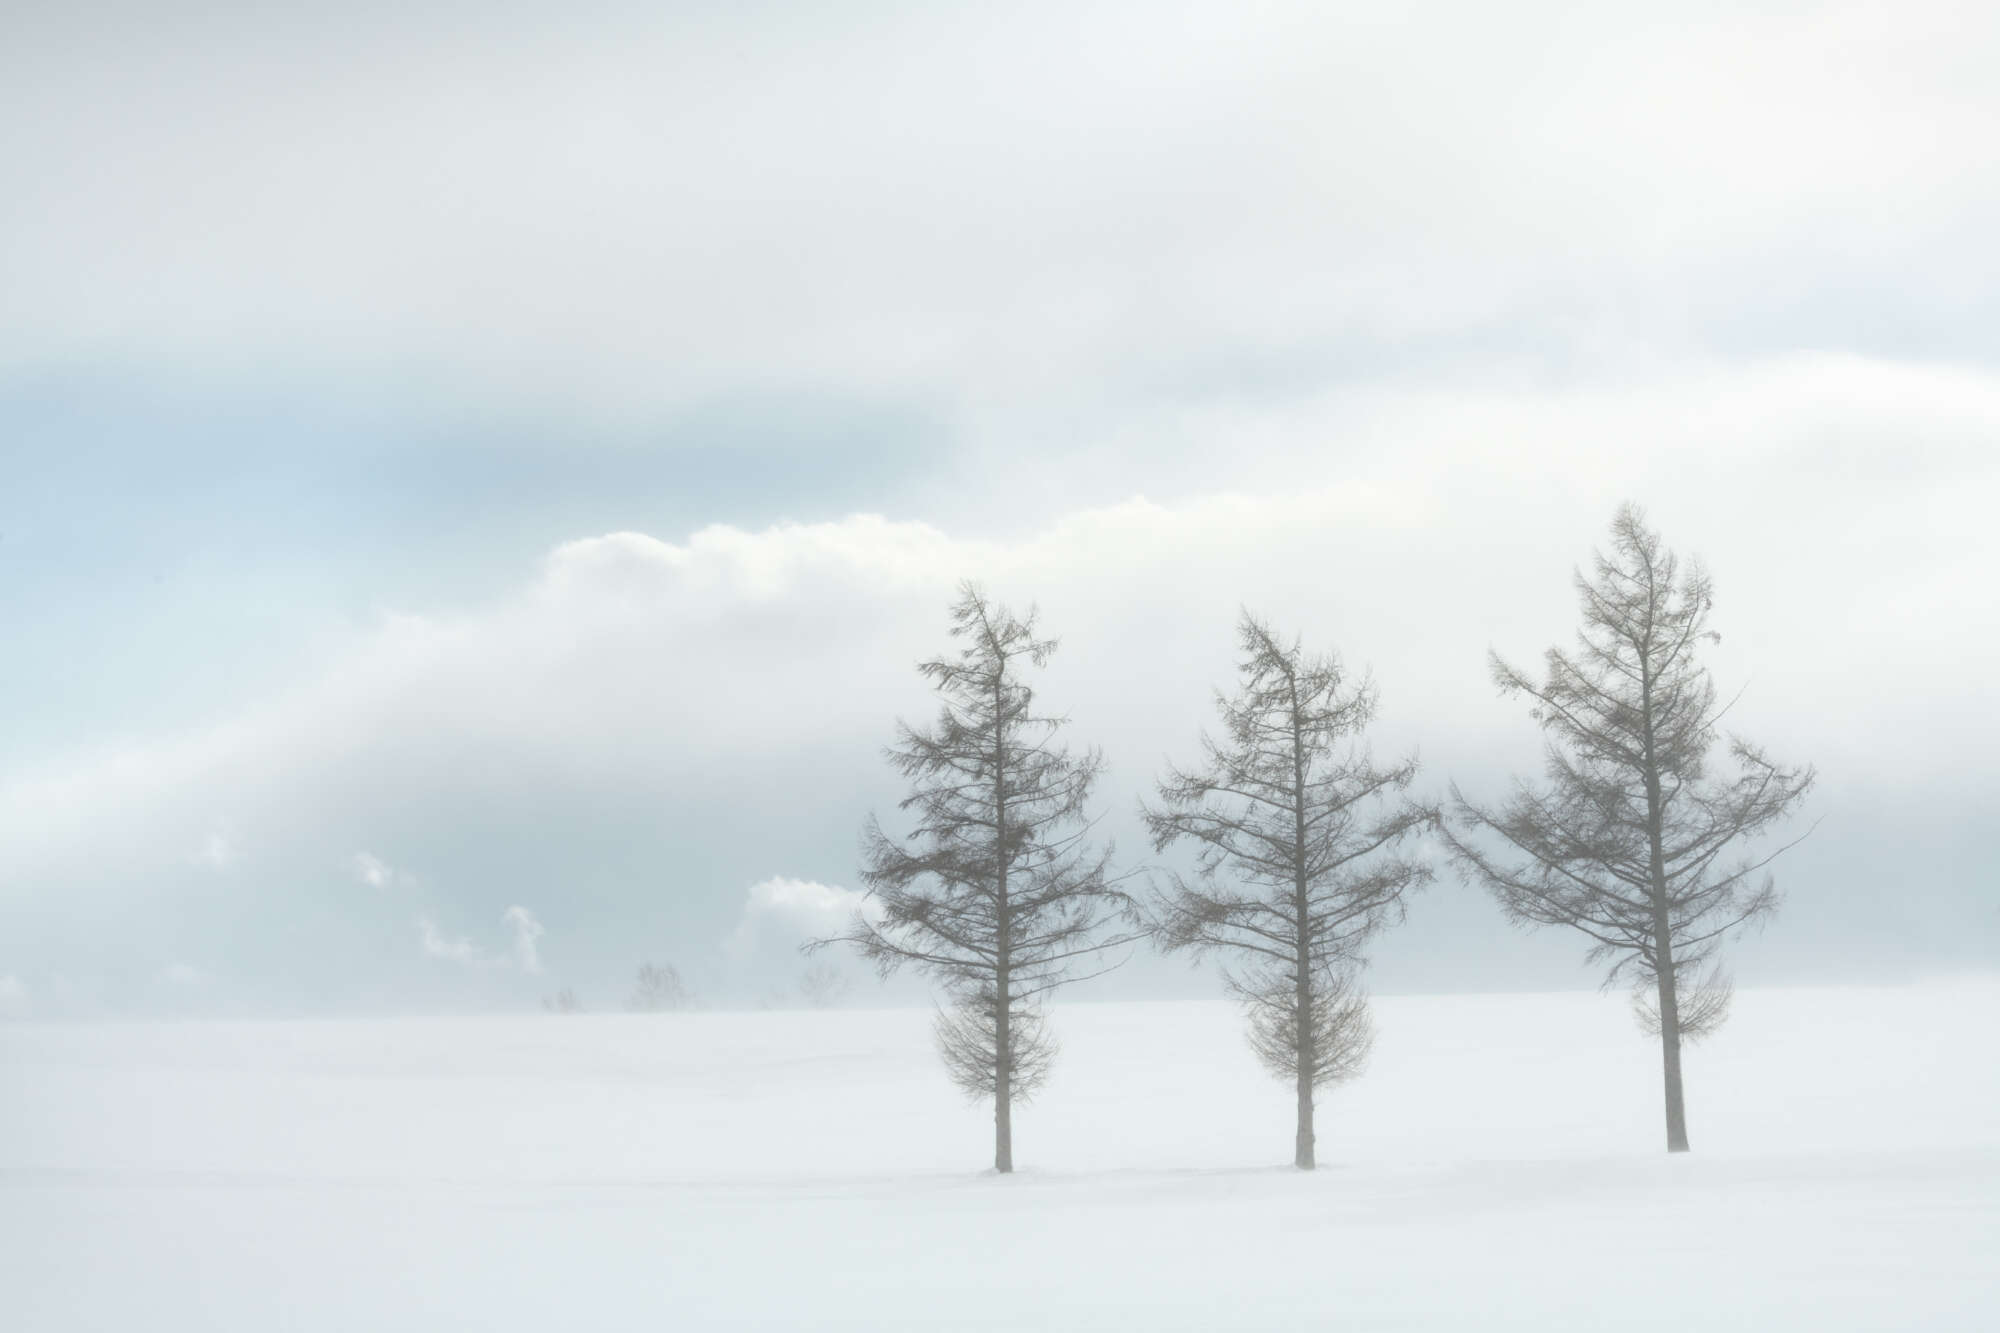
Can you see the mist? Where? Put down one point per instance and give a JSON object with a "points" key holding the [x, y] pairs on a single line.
{"points": [[632, 625]]}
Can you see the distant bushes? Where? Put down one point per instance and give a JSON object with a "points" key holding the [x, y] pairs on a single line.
{"points": [[659, 990]]}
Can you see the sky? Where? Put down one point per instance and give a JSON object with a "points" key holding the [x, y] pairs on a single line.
{"points": [[475, 481]]}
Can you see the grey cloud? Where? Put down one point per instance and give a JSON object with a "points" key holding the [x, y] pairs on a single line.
{"points": [[1003, 210]]}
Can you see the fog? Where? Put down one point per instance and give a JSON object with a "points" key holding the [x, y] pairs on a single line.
{"points": [[603, 603]]}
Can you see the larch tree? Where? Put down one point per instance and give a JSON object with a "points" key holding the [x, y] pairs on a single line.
{"points": [[1637, 838], [995, 891], [1303, 851]]}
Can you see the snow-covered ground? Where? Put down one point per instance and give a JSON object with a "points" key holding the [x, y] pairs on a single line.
{"points": [[1499, 1166]]}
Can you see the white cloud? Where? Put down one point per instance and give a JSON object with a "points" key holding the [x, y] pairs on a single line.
{"points": [[525, 951], [786, 912], [376, 873], [452, 949], [1427, 539], [527, 933], [183, 974]]}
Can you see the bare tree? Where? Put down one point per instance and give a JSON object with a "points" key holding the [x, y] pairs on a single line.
{"points": [[563, 1001], [1299, 839], [1635, 837], [995, 891], [822, 986], [659, 989]]}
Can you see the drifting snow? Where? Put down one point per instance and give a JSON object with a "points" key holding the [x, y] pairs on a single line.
{"points": [[1500, 1166]]}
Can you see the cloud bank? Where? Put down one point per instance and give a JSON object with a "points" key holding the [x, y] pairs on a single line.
{"points": [[645, 721]]}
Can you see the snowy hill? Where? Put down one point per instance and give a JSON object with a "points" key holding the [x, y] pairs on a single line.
{"points": [[1499, 1166]]}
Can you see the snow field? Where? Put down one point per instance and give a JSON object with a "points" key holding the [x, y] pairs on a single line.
{"points": [[1499, 1166]]}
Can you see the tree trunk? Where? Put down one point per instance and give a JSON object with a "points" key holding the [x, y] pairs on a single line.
{"points": [[1670, 1052], [1003, 938], [1306, 1053], [1663, 931], [1003, 1087], [1663, 971], [1668, 998], [1302, 1150]]}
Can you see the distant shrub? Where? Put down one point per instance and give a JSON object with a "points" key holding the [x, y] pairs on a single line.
{"points": [[823, 986], [659, 989]]}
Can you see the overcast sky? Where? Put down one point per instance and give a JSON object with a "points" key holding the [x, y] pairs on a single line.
{"points": [[477, 479]]}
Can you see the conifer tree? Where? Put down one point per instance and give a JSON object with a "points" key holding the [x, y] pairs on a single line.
{"points": [[995, 891], [1639, 839], [1302, 853]]}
